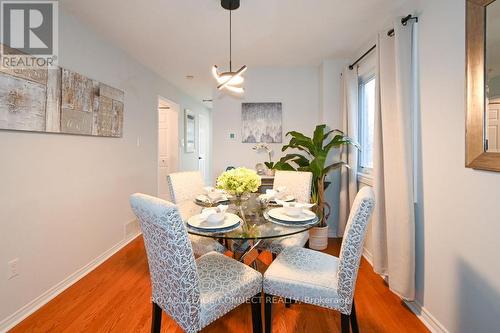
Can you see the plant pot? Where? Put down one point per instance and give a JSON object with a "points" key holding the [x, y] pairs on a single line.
{"points": [[271, 172], [318, 238]]}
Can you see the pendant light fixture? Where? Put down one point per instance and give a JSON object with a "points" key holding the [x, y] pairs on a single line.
{"points": [[230, 80]]}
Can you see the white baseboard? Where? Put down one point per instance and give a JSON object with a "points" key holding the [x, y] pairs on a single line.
{"points": [[421, 312], [51, 293], [426, 317], [368, 256]]}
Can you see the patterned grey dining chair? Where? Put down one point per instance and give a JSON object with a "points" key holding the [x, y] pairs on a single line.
{"points": [[184, 187], [193, 292], [320, 279], [298, 184]]}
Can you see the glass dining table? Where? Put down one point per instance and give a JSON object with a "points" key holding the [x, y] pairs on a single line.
{"points": [[255, 226]]}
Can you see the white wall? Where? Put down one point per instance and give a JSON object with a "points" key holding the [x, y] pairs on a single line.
{"points": [[296, 88], [458, 265], [64, 198], [457, 229], [310, 96]]}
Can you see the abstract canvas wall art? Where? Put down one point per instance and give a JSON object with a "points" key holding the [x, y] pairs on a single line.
{"points": [[261, 122], [23, 98], [59, 101]]}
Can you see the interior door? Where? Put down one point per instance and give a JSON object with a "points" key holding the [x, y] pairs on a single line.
{"points": [[168, 144], [163, 152], [203, 147], [492, 131]]}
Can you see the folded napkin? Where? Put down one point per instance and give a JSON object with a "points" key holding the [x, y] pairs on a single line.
{"points": [[214, 194], [203, 198], [206, 212], [277, 193], [210, 189]]}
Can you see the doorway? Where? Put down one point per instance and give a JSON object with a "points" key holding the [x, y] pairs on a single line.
{"points": [[168, 144], [204, 148]]}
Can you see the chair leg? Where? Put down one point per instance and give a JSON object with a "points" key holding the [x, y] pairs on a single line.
{"points": [[256, 313], [156, 320], [289, 302], [344, 323], [268, 309], [354, 319]]}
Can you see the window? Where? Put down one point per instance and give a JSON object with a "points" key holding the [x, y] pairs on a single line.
{"points": [[366, 123]]}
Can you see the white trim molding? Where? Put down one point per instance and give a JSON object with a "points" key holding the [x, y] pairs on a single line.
{"points": [[51, 293], [421, 312], [426, 317], [368, 256]]}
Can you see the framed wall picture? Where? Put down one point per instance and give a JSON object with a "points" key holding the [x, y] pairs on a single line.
{"points": [[261, 122], [189, 131]]}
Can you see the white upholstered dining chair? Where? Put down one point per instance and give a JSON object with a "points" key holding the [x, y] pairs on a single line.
{"points": [[184, 187], [298, 184], [320, 279], [193, 292]]}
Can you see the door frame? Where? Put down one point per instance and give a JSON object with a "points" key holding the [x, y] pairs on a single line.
{"points": [[494, 101], [208, 153], [174, 107]]}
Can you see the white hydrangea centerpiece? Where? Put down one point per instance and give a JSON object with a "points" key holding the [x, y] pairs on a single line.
{"points": [[239, 181]]}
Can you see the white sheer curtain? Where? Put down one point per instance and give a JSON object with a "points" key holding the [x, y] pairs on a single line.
{"points": [[393, 171], [348, 177]]}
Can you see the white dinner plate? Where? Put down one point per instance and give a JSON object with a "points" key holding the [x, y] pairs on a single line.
{"points": [[198, 222], [279, 214], [287, 198], [294, 224], [205, 199]]}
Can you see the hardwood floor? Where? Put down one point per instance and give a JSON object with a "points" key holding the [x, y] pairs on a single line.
{"points": [[115, 297]]}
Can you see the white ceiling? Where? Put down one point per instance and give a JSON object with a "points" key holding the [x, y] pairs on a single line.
{"points": [[176, 38]]}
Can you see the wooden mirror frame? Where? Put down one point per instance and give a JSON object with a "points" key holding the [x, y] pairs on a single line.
{"points": [[475, 155]]}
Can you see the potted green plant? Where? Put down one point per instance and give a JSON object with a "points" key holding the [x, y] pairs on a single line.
{"points": [[282, 164], [312, 156]]}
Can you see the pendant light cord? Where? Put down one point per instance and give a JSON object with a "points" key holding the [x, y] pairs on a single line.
{"points": [[230, 43]]}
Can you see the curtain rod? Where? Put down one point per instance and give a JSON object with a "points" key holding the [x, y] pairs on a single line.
{"points": [[390, 33]]}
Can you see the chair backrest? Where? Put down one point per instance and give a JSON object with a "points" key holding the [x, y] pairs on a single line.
{"points": [[171, 261], [185, 185], [352, 246], [297, 183], [187, 209]]}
